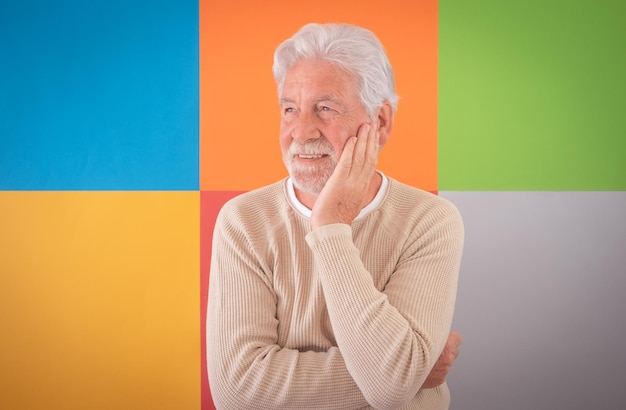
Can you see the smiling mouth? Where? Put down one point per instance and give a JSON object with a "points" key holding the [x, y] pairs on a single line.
{"points": [[311, 156]]}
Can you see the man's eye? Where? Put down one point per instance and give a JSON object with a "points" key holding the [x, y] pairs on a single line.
{"points": [[288, 110], [324, 108]]}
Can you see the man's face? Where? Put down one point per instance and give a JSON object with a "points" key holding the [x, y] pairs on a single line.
{"points": [[320, 110]]}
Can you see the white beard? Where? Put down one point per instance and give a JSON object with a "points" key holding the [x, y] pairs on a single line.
{"points": [[310, 178]]}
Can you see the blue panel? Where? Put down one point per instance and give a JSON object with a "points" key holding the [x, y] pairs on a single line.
{"points": [[99, 95]]}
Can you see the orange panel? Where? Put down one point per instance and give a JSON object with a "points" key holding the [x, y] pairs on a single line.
{"points": [[239, 116]]}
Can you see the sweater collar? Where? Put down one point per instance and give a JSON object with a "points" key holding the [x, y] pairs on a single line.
{"points": [[378, 199]]}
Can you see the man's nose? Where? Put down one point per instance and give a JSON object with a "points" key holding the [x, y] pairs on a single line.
{"points": [[305, 128]]}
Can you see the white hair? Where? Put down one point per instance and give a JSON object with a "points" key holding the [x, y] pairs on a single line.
{"points": [[355, 49]]}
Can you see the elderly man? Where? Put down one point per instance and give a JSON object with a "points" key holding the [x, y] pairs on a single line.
{"points": [[335, 287]]}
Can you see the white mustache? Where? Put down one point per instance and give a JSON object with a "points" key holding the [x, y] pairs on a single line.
{"points": [[317, 147]]}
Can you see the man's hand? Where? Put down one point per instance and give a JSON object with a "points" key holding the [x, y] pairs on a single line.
{"points": [[342, 197], [439, 372]]}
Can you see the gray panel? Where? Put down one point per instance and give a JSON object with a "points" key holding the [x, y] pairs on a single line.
{"points": [[542, 301]]}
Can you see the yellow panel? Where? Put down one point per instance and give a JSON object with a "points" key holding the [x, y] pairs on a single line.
{"points": [[99, 294]]}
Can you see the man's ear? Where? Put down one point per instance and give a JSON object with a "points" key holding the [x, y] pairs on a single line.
{"points": [[385, 121]]}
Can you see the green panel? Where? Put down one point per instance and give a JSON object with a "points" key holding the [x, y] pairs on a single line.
{"points": [[532, 95]]}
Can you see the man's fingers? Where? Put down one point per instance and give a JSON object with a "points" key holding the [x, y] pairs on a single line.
{"points": [[456, 338], [451, 349], [347, 156], [360, 149], [457, 341], [365, 155], [373, 146]]}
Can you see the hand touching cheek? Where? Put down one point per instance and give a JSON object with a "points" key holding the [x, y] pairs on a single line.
{"points": [[344, 194]]}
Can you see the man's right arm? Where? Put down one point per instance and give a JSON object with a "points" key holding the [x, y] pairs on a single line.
{"points": [[247, 367]]}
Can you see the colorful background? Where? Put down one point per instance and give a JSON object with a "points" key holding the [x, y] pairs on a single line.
{"points": [[124, 125]]}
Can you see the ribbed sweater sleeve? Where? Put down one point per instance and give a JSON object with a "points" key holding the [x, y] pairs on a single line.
{"points": [[248, 368], [390, 339]]}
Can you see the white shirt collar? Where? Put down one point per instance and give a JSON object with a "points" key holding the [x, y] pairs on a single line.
{"points": [[378, 199]]}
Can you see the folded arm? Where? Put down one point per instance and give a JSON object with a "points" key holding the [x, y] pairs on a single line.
{"points": [[247, 367], [390, 339]]}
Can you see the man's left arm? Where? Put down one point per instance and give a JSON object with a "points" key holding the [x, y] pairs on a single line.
{"points": [[391, 339]]}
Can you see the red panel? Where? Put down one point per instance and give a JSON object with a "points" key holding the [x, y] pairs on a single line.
{"points": [[210, 204]]}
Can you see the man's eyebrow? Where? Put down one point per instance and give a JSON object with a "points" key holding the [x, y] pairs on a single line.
{"points": [[286, 101]]}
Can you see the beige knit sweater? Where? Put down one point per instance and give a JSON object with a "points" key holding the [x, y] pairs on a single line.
{"points": [[344, 317]]}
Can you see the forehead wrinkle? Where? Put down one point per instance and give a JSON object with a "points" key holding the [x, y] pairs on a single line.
{"points": [[323, 98], [330, 98]]}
